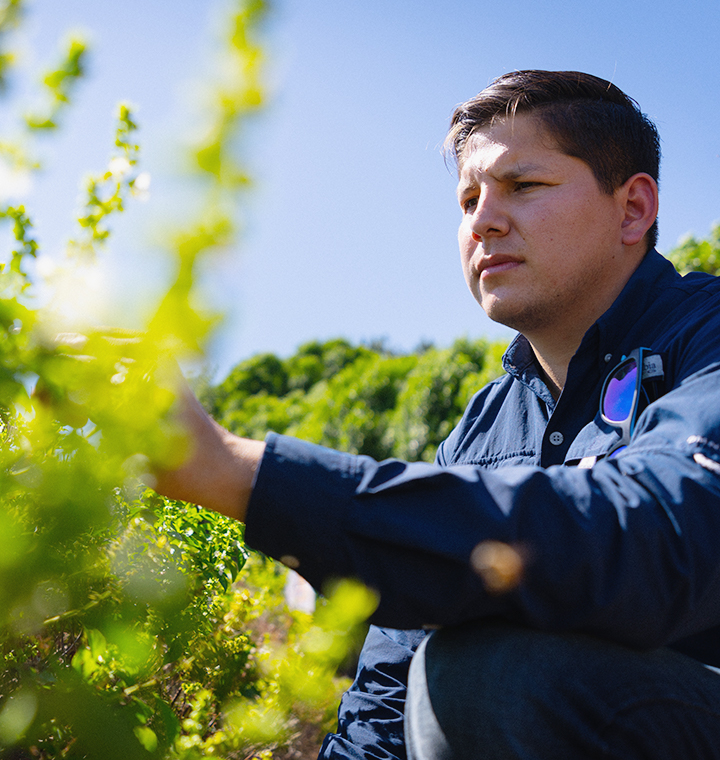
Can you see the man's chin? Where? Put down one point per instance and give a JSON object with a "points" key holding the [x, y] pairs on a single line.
{"points": [[498, 310], [515, 316]]}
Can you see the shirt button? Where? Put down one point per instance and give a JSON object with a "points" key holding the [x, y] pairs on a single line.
{"points": [[556, 438], [608, 357]]}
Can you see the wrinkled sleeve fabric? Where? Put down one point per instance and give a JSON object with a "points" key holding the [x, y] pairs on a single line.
{"points": [[626, 550]]}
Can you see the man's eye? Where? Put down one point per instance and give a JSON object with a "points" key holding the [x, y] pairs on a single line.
{"points": [[520, 186], [469, 205]]}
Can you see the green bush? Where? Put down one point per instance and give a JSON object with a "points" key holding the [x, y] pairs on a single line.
{"points": [[693, 255]]}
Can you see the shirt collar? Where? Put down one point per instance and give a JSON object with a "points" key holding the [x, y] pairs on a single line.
{"points": [[520, 362]]}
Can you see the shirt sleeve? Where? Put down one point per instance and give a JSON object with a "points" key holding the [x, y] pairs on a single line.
{"points": [[626, 550]]}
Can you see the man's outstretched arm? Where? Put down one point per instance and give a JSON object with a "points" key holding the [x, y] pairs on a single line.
{"points": [[220, 468]]}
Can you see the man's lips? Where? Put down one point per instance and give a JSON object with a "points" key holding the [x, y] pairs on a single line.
{"points": [[496, 265]]}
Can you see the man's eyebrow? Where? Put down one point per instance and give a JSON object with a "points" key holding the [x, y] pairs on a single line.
{"points": [[467, 181], [520, 170]]}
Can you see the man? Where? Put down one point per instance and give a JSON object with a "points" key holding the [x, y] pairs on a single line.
{"points": [[594, 644]]}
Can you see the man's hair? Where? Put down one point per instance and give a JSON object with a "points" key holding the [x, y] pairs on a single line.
{"points": [[587, 117]]}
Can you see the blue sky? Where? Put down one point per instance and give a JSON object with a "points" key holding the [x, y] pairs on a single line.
{"points": [[351, 229]]}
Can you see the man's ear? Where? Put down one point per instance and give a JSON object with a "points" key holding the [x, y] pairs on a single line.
{"points": [[639, 196]]}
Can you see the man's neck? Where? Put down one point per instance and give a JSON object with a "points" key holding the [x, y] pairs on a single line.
{"points": [[554, 368], [554, 348]]}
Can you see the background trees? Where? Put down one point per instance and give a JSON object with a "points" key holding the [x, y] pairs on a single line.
{"points": [[693, 255], [358, 399]]}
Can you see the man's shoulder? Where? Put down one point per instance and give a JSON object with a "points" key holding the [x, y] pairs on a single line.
{"points": [[687, 306]]}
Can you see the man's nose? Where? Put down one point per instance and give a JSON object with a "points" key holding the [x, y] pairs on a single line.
{"points": [[490, 218]]}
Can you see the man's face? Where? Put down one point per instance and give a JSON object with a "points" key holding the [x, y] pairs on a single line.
{"points": [[540, 242]]}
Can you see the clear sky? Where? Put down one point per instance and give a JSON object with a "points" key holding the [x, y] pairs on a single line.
{"points": [[351, 230]]}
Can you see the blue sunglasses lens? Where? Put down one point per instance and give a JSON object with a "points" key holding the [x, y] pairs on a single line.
{"points": [[617, 402]]}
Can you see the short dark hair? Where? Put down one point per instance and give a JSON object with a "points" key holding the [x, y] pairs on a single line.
{"points": [[588, 118]]}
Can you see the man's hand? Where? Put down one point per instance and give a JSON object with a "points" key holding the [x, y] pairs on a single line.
{"points": [[141, 402], [219, 468]]}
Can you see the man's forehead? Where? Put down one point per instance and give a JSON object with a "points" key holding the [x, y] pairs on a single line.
{"points": [[522, 133]]}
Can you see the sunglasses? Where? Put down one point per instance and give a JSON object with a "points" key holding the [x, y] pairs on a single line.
{"points": [[623, 393]]}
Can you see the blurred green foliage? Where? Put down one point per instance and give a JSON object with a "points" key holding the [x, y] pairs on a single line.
{"points": [[693, 255], [10, 16], [58, 85]]}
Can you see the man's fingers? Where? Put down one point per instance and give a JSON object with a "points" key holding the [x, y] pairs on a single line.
{"points": [[113, 336], [69, 340]]}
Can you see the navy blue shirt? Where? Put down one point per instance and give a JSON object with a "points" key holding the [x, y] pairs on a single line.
{"points": [[627, 550]]}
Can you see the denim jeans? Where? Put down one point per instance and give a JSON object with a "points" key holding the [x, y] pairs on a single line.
{"points": [[493, 690]]}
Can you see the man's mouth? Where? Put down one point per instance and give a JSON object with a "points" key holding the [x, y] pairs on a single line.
{"points": [[497, 265]]}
